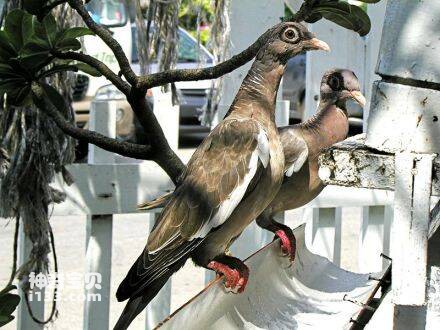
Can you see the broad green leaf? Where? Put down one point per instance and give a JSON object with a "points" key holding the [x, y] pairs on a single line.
{"points": [[55, 98], [34, 54], [7, 71], [27, 28], [59, 68], [13, 27], [8, 303], [348, 16], [68, 44], [313, 18], [35, 61], [88, 69], [369, 1], [50, 26], [76, 32], [5, 319], [363, 19], [11, 86], [6, 49], [34, 7]]}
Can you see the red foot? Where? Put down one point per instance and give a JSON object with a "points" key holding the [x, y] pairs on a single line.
{"points": [[288, 242], [236, 279]]}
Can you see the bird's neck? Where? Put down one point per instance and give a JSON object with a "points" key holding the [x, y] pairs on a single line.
{"points": [[258, 92], [328, 126]]}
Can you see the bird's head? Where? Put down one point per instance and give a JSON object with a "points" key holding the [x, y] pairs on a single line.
{"points": [[341, 85], [288, 39]]}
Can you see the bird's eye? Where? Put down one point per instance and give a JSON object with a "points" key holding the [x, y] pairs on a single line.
{"points": [[291, 35], [334, 83]]}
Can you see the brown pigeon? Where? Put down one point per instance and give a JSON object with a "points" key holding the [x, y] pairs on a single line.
{"points": [[231, 178], [302, 144]]}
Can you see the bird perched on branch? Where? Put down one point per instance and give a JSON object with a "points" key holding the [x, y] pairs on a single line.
{"points": [[302, 144], [230, 179]]}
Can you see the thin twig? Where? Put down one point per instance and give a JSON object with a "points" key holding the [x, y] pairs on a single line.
{"points": [[166, 77], [122, 85], [107, 37]]}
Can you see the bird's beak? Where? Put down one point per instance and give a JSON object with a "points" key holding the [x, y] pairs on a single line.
{"points": [[317, 44], [359, 98]]}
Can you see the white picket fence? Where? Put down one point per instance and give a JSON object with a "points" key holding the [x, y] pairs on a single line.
{"points": [[103, 188]]}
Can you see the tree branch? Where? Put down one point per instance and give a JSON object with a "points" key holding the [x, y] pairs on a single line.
{"points": [[161, 151], [122, 85], [123, 148], [166, 77], [106, 36]]}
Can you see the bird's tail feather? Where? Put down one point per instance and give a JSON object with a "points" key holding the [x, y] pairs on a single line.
{"points": [[147, 276], [137, 304], [159, 202]]}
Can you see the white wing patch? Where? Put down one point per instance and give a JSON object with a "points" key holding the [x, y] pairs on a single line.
{"points": [[228, 206], [299, 160], [263, 147]]}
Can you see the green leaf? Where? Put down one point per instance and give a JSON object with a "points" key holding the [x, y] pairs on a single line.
{"points": [[7, 71], [13, 27], [11, 85], [68, 44], [27, 28], [88, 69], [58, 69], [34, 54], [50, 26], [313, 18], [363, 19], [6, 49], [76, 32], [5, 319], [34, 7], [8, 304], [348, 16], [55, 98]]}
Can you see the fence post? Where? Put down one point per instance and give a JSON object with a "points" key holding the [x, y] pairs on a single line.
{"points": [[409, 239], [323, 232], [159, 308], [372, 238], [36, 298], [99, 227]]}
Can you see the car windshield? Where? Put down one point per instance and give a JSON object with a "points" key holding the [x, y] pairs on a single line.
{"points": [[189, 52], [108, 12]]}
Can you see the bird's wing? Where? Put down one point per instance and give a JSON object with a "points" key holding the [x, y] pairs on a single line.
{"points": [[295, 149], [216, 180]]}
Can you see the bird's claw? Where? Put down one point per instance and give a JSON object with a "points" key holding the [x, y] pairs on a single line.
{"points": [[288, 242], [235, 279]]}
